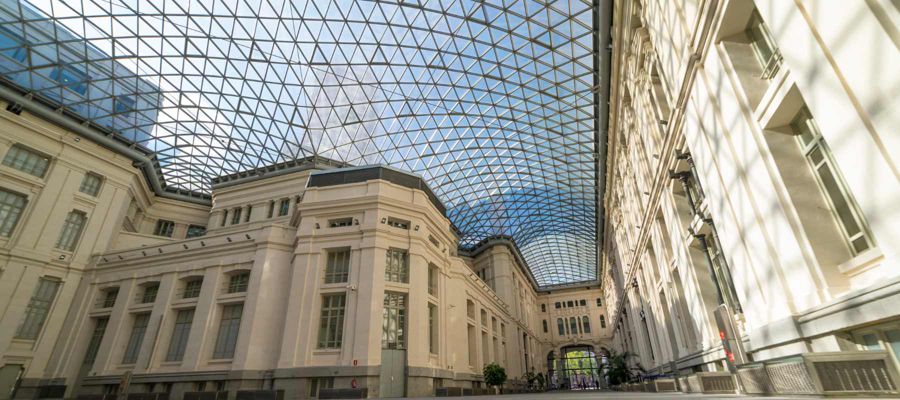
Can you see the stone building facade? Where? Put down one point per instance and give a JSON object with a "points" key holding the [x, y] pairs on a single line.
{"points": [[301, 277], [752, 177]]}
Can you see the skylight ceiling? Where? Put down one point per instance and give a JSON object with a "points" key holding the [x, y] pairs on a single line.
{"points": [[490, 102]]}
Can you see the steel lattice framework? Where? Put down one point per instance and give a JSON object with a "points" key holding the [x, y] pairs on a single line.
{"points": [[490, 101]]}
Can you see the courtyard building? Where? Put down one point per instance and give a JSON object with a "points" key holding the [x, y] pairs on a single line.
{"points": [[347, 199]]}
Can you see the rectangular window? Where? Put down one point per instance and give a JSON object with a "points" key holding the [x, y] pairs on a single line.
{"points": [[340, 222], [722, 271], [393, 322], [558, 305], [543, 308], [763, 45], [138, 330], [195, 231], [238, 282], [337, 268], [236, 216], [432, 328], [224, 218], [560, 326], [27, 161], [192, 288], [433, 274], [164, 228], [228, 331], [109, 299], [398, 223], [843, 205], [71, 78], [180, 335], [11, 207], [599, 303], [71, 231], [316, 384], [582, 303], [271, 212], [397, 267], [150, 291], [545, 326], [38, 308], [249, 213], [331, 322], [96, 339], [91, 184], [284, 207]]}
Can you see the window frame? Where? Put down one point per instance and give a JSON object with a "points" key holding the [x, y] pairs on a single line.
{"points": [[805, 124], [235, 283], [181, 331], [70, 233], [337, 273], [164, 228], [226, 342], [10, 212], [332, 313], [136, 338], [38, 309], [392, 271], [91, 184], [34, 163]]}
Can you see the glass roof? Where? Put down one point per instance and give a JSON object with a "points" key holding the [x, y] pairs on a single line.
{"points": [[490, 102]]}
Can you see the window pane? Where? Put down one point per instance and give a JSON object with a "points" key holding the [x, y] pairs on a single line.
{"points": [[164, 228], [90, 184], [228, 331], [432, 329], [893, 340], [331, 323], [11, 207], [96, 339], [397, 266], [192, 288], [180, 335], [841, 206], [150, 292], [238, 282], [870, 341], [138, 330], [394, 321], [71, 231], [195, 231], [37, 309], [27, 161], [337, 268]]}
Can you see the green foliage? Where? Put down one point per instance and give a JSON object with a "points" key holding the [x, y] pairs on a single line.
{"points": [[494, 374], [618, 372]]}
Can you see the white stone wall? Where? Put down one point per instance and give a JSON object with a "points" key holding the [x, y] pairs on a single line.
{"points": [[793, 275]]}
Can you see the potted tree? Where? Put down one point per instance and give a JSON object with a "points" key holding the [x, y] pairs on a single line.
{"points": [[494, 375]]}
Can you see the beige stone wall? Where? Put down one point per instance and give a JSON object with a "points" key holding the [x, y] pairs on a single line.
{"points": [[686, 80], [30, 252]]}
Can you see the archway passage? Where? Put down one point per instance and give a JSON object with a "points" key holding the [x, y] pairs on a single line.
{"points": [[578, 368]]}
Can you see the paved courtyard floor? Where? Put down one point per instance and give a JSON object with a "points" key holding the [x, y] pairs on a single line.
{"points": [[579, 395]]}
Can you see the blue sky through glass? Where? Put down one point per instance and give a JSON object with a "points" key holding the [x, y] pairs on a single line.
{"points": [[490, 102]]}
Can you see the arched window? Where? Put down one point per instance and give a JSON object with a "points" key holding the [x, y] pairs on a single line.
{"points": [[573, 325], [586, 324], [561, 326], [602, 322]]}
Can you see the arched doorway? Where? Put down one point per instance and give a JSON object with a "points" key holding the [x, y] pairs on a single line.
{"points": [[577, 368]]}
